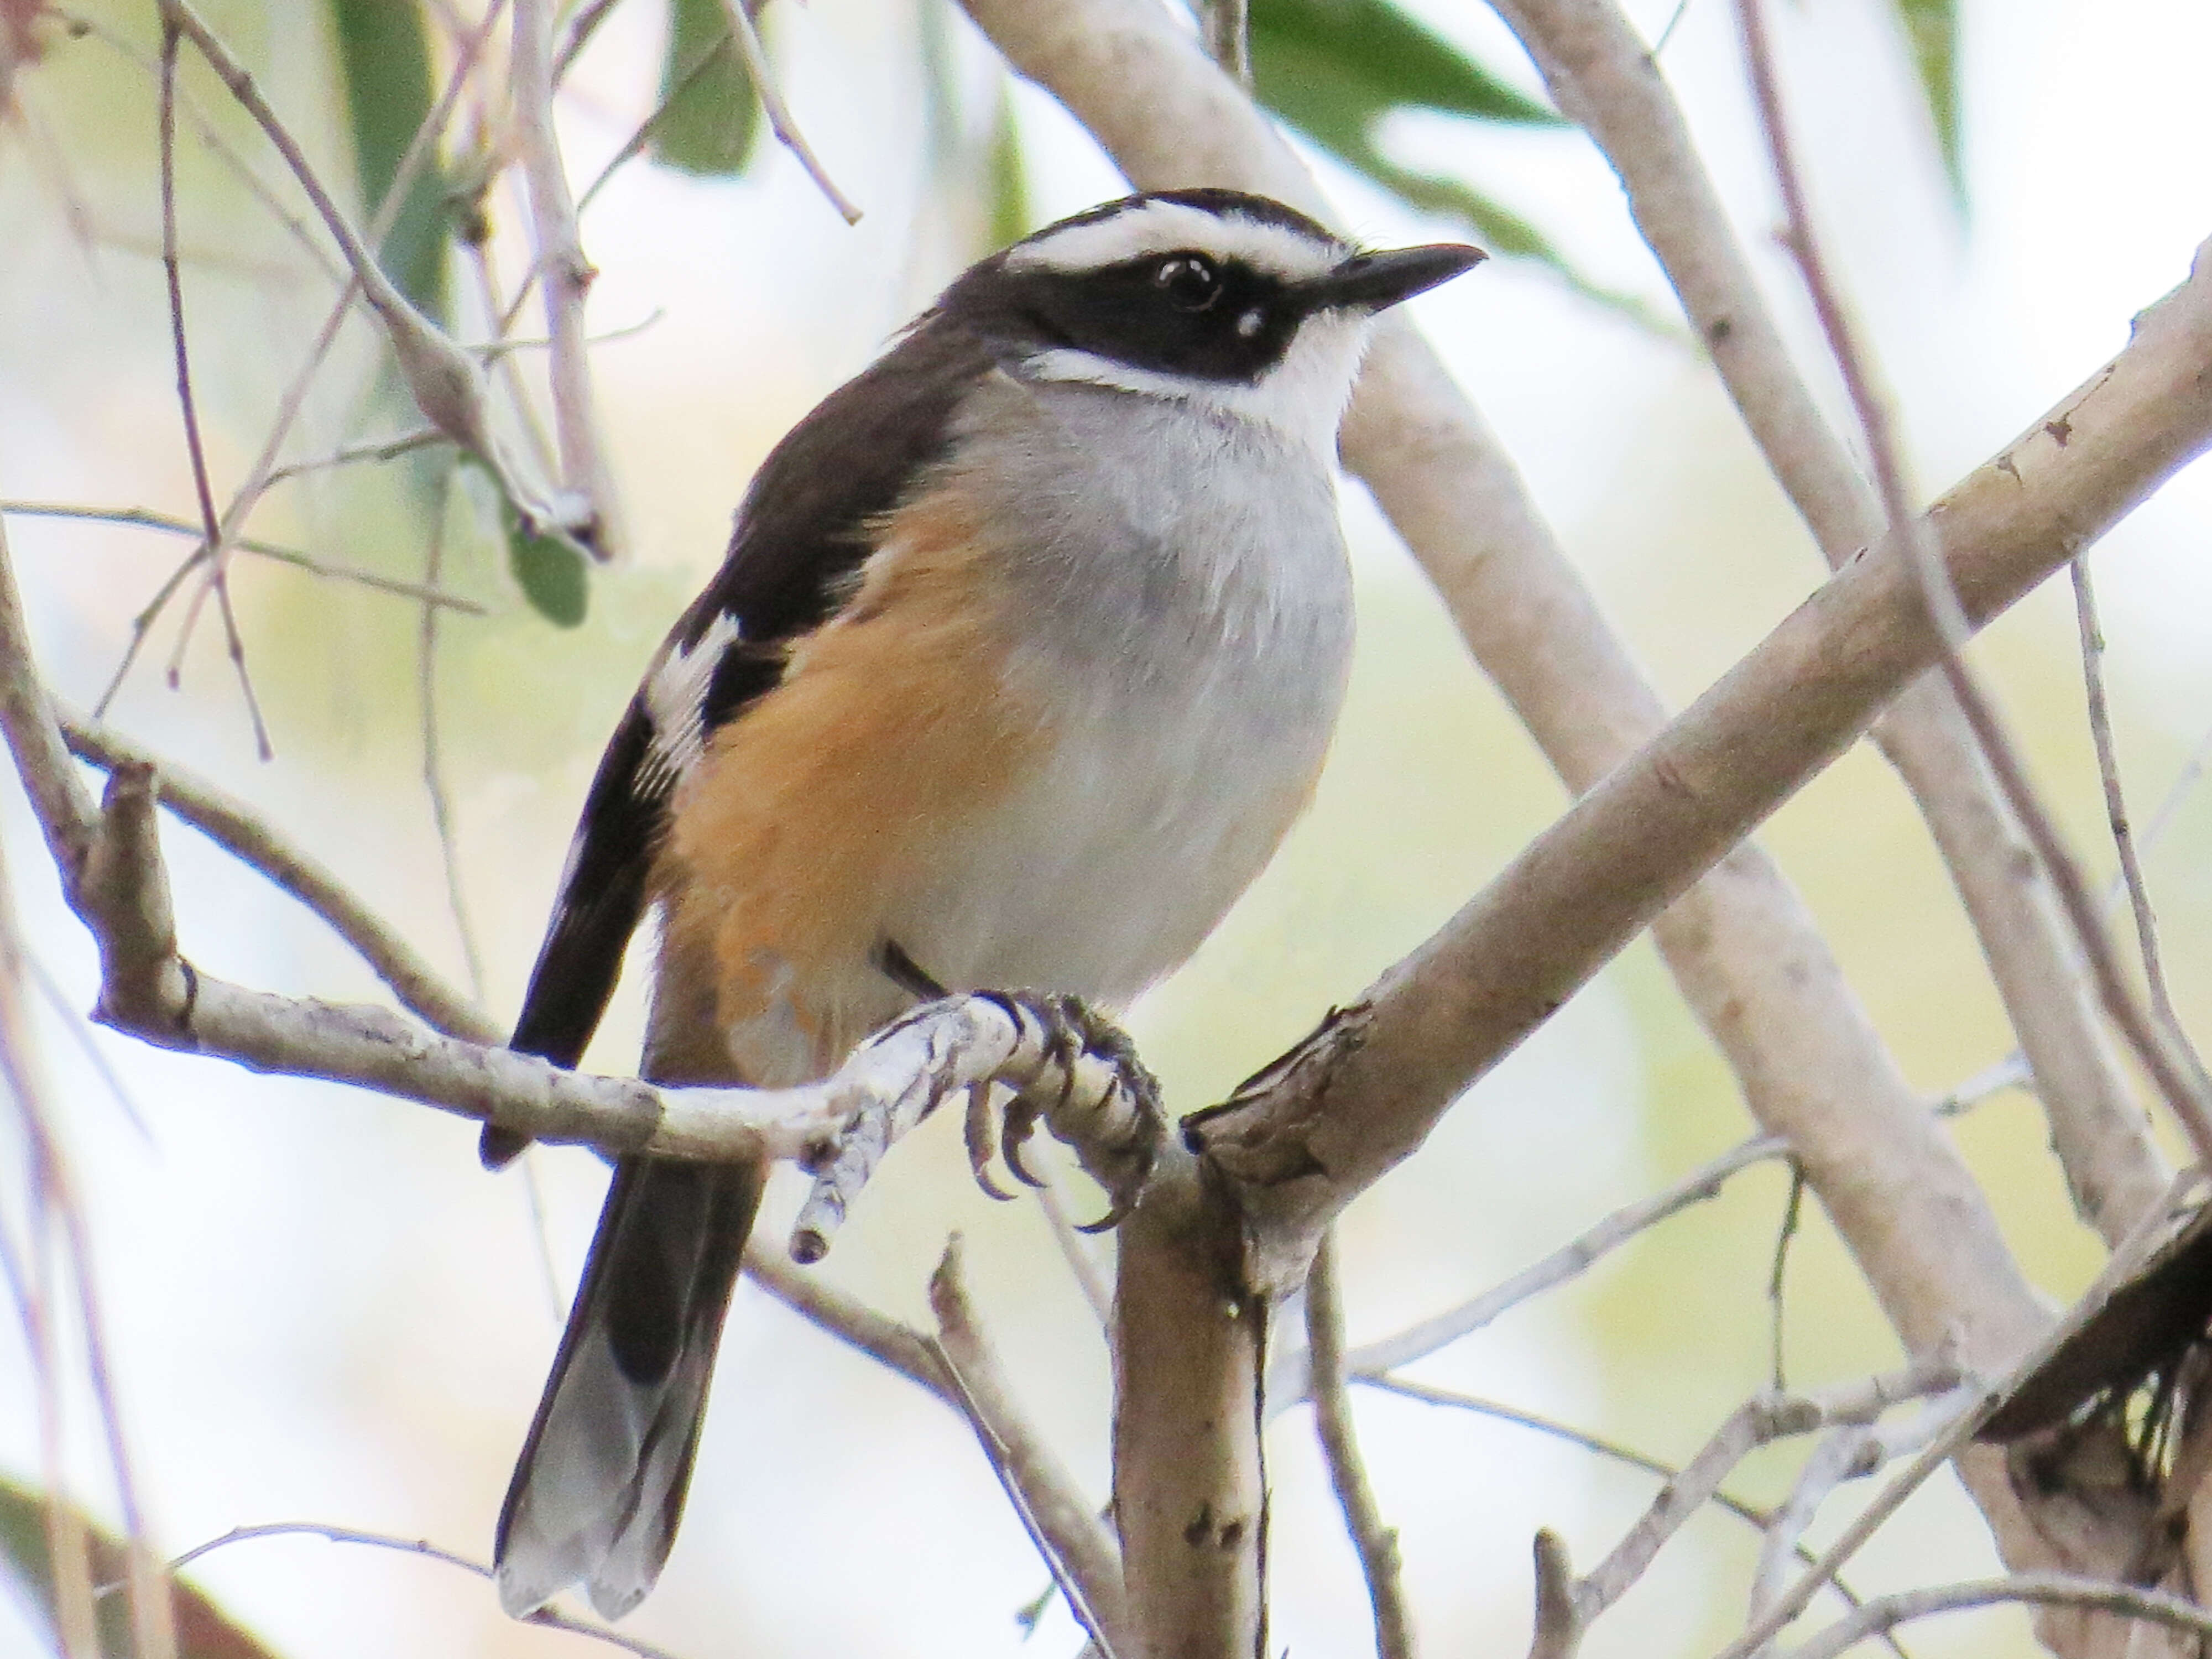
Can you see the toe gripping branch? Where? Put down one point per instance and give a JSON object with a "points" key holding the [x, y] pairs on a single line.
{"points": [[1024, 1057]]}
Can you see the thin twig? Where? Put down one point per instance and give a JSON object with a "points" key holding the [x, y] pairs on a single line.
{"points": [[1767, 1416], [1076, 1249], [2119, 1267], [564, 277], [1598, 1446], [2115, 804], [145, 519], [56, 1194], [380, 449], [1792, 1210], [1376, 1543], [2167, 1057], [211, 136], [1287, 1375], [69, 1546], [211, 526], [1226, 28], [433, 773], [779, 114], [548, 1617], [1884, 1614], [1064, 1527], [241, 831]]}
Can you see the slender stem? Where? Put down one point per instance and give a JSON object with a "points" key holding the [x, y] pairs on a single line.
{"points": [[1377, 1544]]}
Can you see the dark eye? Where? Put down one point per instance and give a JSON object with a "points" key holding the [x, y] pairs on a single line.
{"points": [[1189, 281]]}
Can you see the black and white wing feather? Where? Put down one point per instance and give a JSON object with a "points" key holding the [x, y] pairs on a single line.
{"points": [[801, 534]]}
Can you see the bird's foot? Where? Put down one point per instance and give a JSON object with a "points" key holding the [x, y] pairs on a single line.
{"points": [[1075, 1072]]}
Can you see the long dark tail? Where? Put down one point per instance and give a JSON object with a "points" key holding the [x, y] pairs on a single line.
{"points": [[599, 1485]]}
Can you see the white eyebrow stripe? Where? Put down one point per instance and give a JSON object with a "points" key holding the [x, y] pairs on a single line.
{"points": [[1172, 228]]}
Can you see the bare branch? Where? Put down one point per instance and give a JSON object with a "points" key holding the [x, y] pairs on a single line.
{"points": [[1065, 1527], [1884, 1613], [56, 1197], [1559, 1633], [446, 381], [1189, 1488], [1598, 1445], [145, 519], [434, 770], [1600, 74], [219, 577], [2120, 1266], [899, 1346], [1767, 1416], [564, 275], [2171, 1063], [1365, 1090], [1377, 1543], [549, 1618], [240, 830], [2115, 804], [746, 39]]}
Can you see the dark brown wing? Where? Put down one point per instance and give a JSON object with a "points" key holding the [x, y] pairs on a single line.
{"points": [[801, 538]]}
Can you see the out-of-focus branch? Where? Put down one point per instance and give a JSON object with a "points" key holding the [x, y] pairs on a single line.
{"points": [[240, 830], [1068, 1533], [746, 40], [447, 382], [1600, 74], [1328, 1119], [1886, 1612], [564, 275], [1766, 1418], [2165, 1053], [1377, 1543], [146, 518], [1289, 1377], [548, 1618], [2116, 802]]}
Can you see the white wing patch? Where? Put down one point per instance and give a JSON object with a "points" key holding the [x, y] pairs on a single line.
{"points": [[676, 704], [1174, 228]]}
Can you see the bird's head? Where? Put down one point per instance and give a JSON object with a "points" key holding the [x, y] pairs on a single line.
{"points": [[1230, 302]]}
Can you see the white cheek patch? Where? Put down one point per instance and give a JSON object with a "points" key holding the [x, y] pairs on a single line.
{"points": [[1172, 228], [675, 705], [1302, 396]]}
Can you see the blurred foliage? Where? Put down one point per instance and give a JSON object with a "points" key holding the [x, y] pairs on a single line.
{"points": [[709, 118], [383, 66], [552, 572], [204, 1630], [1931, 32]]}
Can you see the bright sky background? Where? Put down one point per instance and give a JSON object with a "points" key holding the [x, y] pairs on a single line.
{"points": [[322, 1310]]}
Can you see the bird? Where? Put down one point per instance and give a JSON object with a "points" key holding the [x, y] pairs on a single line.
{"points": [[1026, 654]]}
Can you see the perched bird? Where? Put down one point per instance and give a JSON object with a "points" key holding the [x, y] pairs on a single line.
{"points": [[1026, 654]]}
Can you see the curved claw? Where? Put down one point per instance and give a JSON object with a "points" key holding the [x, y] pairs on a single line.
{"points": [[1119, 1212], [975, 1130], [1021, 1123]]}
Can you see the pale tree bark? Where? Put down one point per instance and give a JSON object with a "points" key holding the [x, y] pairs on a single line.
{"points": [[1228, 1222]]}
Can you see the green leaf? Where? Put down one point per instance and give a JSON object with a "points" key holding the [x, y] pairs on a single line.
{"points": [[204, 1630], [1931, 31], [1012, 217], [551, 572], [710, 117], [1365, 58], [383, 61]]}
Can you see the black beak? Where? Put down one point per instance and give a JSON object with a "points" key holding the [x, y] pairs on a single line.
{"points": [[1374, 282]]}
